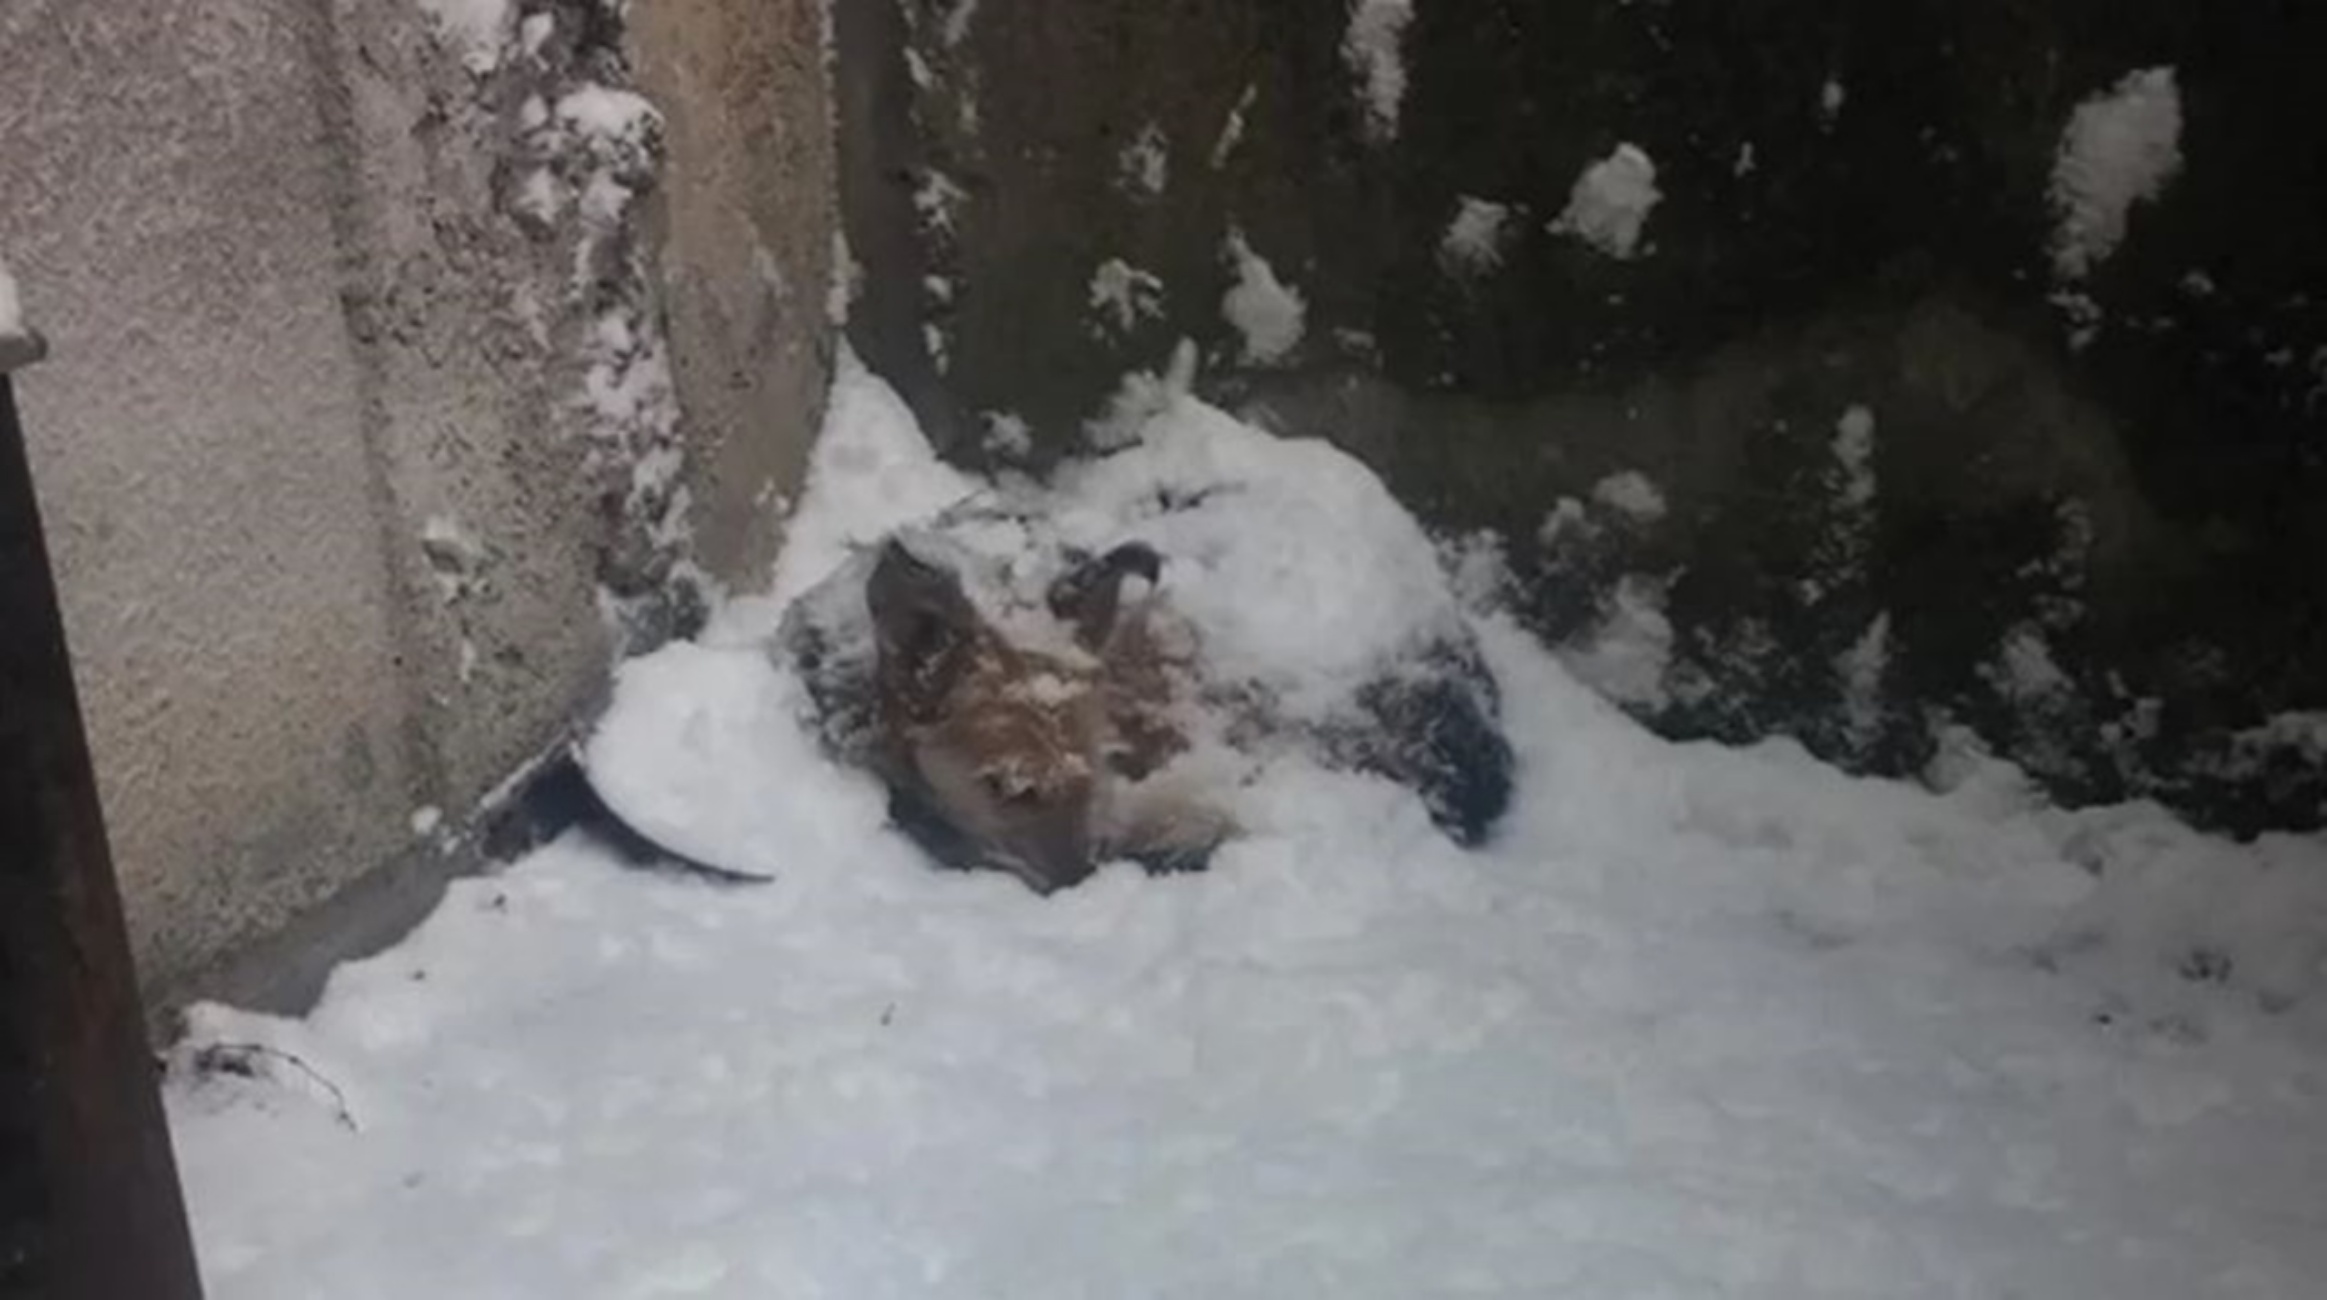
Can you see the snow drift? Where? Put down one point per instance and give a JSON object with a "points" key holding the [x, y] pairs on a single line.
{"points": [[1697, 1022]]}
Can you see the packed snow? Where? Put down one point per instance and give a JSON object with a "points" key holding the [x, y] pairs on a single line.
{"points": [[1860, 671], [1008, 436], [1270, 314], [2303, 732], [1144, 167], [1854, 452], [608, 113], [957, 22], [2024, 669], [534, 31], [1374, 47], [1832, 95], [2120, 148], [1566, 517], [846, 285], [1699, 1022], [1474, 238], [1123, 295], [1628, 653], [480, 30], [1232, 130], [939, 199], [1631, 493], [1609, 206]]}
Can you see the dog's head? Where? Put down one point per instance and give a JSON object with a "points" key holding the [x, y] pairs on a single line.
{"points": [[1000, 756], [995, 742]]}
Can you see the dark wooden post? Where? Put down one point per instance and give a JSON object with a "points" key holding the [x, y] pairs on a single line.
{"points": [[89, 1200]]}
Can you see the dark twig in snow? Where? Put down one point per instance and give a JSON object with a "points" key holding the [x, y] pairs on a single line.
{"points": [[242, 1061]]}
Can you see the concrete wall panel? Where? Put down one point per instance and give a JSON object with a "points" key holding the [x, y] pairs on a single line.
{"points": [[348, 528], [167, 196], [745, 221]]}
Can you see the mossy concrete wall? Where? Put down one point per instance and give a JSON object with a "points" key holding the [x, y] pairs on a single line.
{"points": [[1904, 472]]}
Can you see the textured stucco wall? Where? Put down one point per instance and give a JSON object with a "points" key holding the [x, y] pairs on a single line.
{"points": [[198, 442], [359, 447]]}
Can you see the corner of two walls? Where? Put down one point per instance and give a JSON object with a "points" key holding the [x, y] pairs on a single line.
{"points": [[405, 373], [408, 368]]}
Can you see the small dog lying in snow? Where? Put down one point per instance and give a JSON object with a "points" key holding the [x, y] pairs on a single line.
{"points": [[1046, 726], [1050, 676]]}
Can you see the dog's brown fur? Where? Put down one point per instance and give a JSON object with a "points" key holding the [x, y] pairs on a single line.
{"points": [[1115, 743], [1027, 758]]}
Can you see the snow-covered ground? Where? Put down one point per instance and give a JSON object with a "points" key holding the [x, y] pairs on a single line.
{"points": [[1701, 1022]]}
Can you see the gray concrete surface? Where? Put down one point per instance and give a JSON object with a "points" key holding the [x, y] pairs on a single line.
{"points": [[744, 225], [198, 441], [336, 529]]}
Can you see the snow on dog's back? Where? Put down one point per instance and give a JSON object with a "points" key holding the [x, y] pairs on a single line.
{"points": [[1290, 558]]}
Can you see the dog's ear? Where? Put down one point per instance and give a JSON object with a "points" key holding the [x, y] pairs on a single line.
{"points": [[924, 628], [1089, 595]]}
